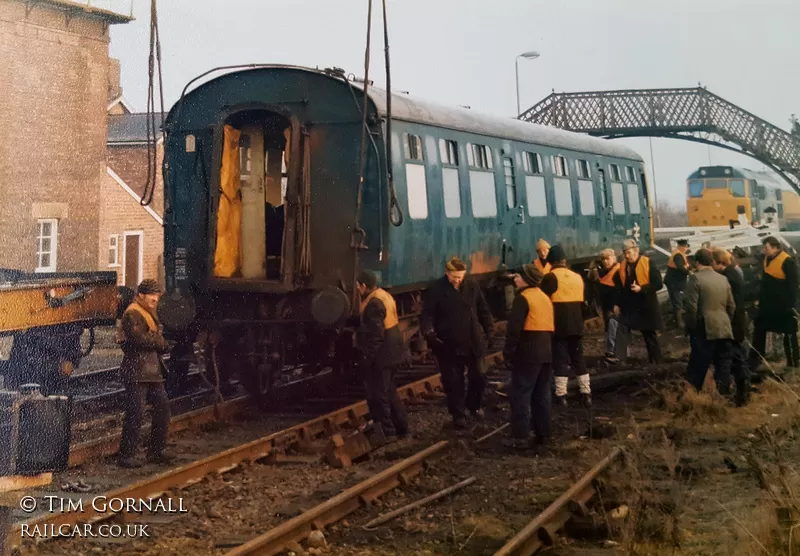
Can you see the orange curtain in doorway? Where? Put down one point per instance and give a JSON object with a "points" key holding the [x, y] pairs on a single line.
{"points": [[228, 254]]}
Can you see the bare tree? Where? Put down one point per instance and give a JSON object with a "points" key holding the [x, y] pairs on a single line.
{"points": [[668, 215], [795, 126]]}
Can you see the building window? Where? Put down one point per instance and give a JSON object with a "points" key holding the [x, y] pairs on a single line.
{"points": [[113, 250], [479, 156], [448, 150], [630, 174], [47, 245], [560, 167], [533, 163], [413, 146], [583, 170], [613, 171]]}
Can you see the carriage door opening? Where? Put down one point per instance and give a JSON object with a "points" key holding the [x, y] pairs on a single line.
{"points": [[253, 179]]}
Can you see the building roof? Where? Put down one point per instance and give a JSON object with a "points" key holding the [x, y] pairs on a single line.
{"points": [[84, 7], [130, 129]]}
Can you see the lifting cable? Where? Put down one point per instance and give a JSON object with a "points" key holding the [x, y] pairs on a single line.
{"points": [[395, 212], [152, 131], [358, 234]]}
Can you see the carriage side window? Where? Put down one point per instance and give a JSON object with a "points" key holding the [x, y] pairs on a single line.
{"points": [[537, 198], [617, 197], [416, 184], [479, 156], [511, 184], [563, 190], [412, 146], [448, 150], [613, 171], [583, 170], [630, 174], [533, 163], [560, 167], [601, 176], [633, 198]]}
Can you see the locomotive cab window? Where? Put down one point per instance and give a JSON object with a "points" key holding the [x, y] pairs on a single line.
{"points": [[254, 177], [448, 151], [738, 189]]}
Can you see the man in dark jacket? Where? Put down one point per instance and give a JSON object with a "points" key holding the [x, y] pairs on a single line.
{"points": [[638, 282], [603, 273], [380, 347], [776, 304], [709, 309], [457, 324], [141, 340], [723, 263], [675, 280], [565, 289], [528, 354]]}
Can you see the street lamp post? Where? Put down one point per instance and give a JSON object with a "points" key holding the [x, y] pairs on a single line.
{"points": [[531, 55]]}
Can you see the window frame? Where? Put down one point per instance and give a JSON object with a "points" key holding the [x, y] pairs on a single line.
{"points": [[444, 149], [407, 147], [53, 252], [615, 178], [557, 167], [115, 248], [583, 164], [527, 158], [630, 175], [480, 153]]}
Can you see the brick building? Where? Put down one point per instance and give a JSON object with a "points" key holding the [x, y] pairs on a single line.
{"points": [[55, 88], [131, 235]]}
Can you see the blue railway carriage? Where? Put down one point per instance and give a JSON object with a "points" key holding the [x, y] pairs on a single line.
{"points": [[267, 219]]}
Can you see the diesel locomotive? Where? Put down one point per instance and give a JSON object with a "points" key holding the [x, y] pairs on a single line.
{"points": [[281, 182]]}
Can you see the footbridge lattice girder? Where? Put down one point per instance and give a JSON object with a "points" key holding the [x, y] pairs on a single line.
{"points": [[693, 114]]}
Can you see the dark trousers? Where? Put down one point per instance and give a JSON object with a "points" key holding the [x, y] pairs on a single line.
{"points": [[704, 352], [791, 348], [650, 341], [136, 395], [675, 297], [739, 368], [384, 405], [452, 370], [568, 352], [530, 400]]}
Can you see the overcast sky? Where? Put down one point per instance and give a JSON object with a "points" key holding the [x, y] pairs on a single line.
{"points": [[461, 52]]}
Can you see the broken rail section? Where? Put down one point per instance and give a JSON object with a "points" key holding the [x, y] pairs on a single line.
{"points": [[542, 530]]}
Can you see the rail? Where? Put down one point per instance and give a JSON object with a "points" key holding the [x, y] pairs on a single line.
{"points": [[541, 531]]}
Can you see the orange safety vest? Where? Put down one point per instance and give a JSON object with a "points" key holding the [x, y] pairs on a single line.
{"points": [[540, 311], [671, 262], [570, 286], [543, 268], [390, 320], [775, 266], [148, 318], [642, 271], [608, 279]]}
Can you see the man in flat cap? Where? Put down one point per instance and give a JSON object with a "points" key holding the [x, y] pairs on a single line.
{"points": [[540, 262], [676, 278], [457, 324], [566, 291], [527, 353], [380, 346], [638, 282], [141, 340]]}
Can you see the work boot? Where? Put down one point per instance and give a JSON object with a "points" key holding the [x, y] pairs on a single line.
{"points": [[459, 422], [477, 414], [742, 396], [561, 401], [541, 447], [586, 400], [129, 462]]}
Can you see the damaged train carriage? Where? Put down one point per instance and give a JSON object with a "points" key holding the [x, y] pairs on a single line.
{"points": [[262, 193]]}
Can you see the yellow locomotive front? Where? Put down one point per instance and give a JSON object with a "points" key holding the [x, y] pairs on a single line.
{"points": [[717, 195]]}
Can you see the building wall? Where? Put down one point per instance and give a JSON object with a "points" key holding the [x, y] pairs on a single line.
{"points": [[120, 213], [54, 85]]}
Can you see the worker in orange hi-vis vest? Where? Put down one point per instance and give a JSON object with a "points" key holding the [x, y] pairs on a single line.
{"points": [[603, 272], [528, 353], [380, 346], [776, 304], [638, 282], [675, 280], [540, 262], [566, 290]]}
